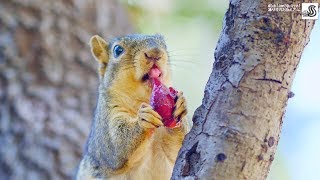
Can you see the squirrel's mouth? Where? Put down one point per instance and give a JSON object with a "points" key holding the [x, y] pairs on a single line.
{"points": [[153, 73]]}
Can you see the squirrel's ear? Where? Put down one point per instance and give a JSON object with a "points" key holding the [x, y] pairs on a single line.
{"points": [[99, 51]]}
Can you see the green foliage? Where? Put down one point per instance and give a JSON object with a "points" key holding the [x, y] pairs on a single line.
{"points": [[173, 13]]}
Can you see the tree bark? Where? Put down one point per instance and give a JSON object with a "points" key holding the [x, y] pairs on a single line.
{"points": [[236, 129], [48, 82]]}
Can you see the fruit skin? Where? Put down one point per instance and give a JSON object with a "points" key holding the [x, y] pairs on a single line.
{"points": [[163, 100]]}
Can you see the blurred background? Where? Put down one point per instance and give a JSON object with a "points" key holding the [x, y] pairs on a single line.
{"points": [[48, 79]]}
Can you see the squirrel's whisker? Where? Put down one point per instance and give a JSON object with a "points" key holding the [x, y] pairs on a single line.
{"points": [[185, 62], [183, 55], [185, 49]]}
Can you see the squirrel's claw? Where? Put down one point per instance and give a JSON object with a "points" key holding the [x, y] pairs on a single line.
{"points": [[180, 108], [148, 118]]}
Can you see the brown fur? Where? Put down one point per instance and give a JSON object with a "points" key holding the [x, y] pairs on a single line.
{"points": [[128, 139]]}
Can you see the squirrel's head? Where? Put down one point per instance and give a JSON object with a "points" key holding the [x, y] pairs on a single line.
{"points": [[134, 57]]}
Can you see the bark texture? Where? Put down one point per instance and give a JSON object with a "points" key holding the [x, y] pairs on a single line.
{"points": [[236, 129], [48, 82]]}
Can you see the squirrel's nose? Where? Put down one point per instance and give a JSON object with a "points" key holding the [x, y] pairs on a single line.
{"points": [[153, 54]]}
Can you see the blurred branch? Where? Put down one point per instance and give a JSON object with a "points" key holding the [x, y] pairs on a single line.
{"points": [[48, 82]]}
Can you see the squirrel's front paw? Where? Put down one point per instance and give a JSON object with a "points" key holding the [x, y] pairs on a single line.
{"points": [[148, 118], [180, 107]]}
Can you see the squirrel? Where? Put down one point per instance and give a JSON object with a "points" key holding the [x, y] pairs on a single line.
{"points": [[128, 139]]}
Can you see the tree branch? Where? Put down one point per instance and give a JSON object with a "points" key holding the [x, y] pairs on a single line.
{"points": [[236, 129]]}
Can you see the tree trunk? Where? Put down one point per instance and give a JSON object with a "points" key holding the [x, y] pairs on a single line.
{"points": [[236, 129], [48, 82]]}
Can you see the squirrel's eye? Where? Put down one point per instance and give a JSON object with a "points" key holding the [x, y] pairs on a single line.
{"points": [[117, 51]]}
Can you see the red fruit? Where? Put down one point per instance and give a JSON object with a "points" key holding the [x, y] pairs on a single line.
{"points": [[162, 101]]}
